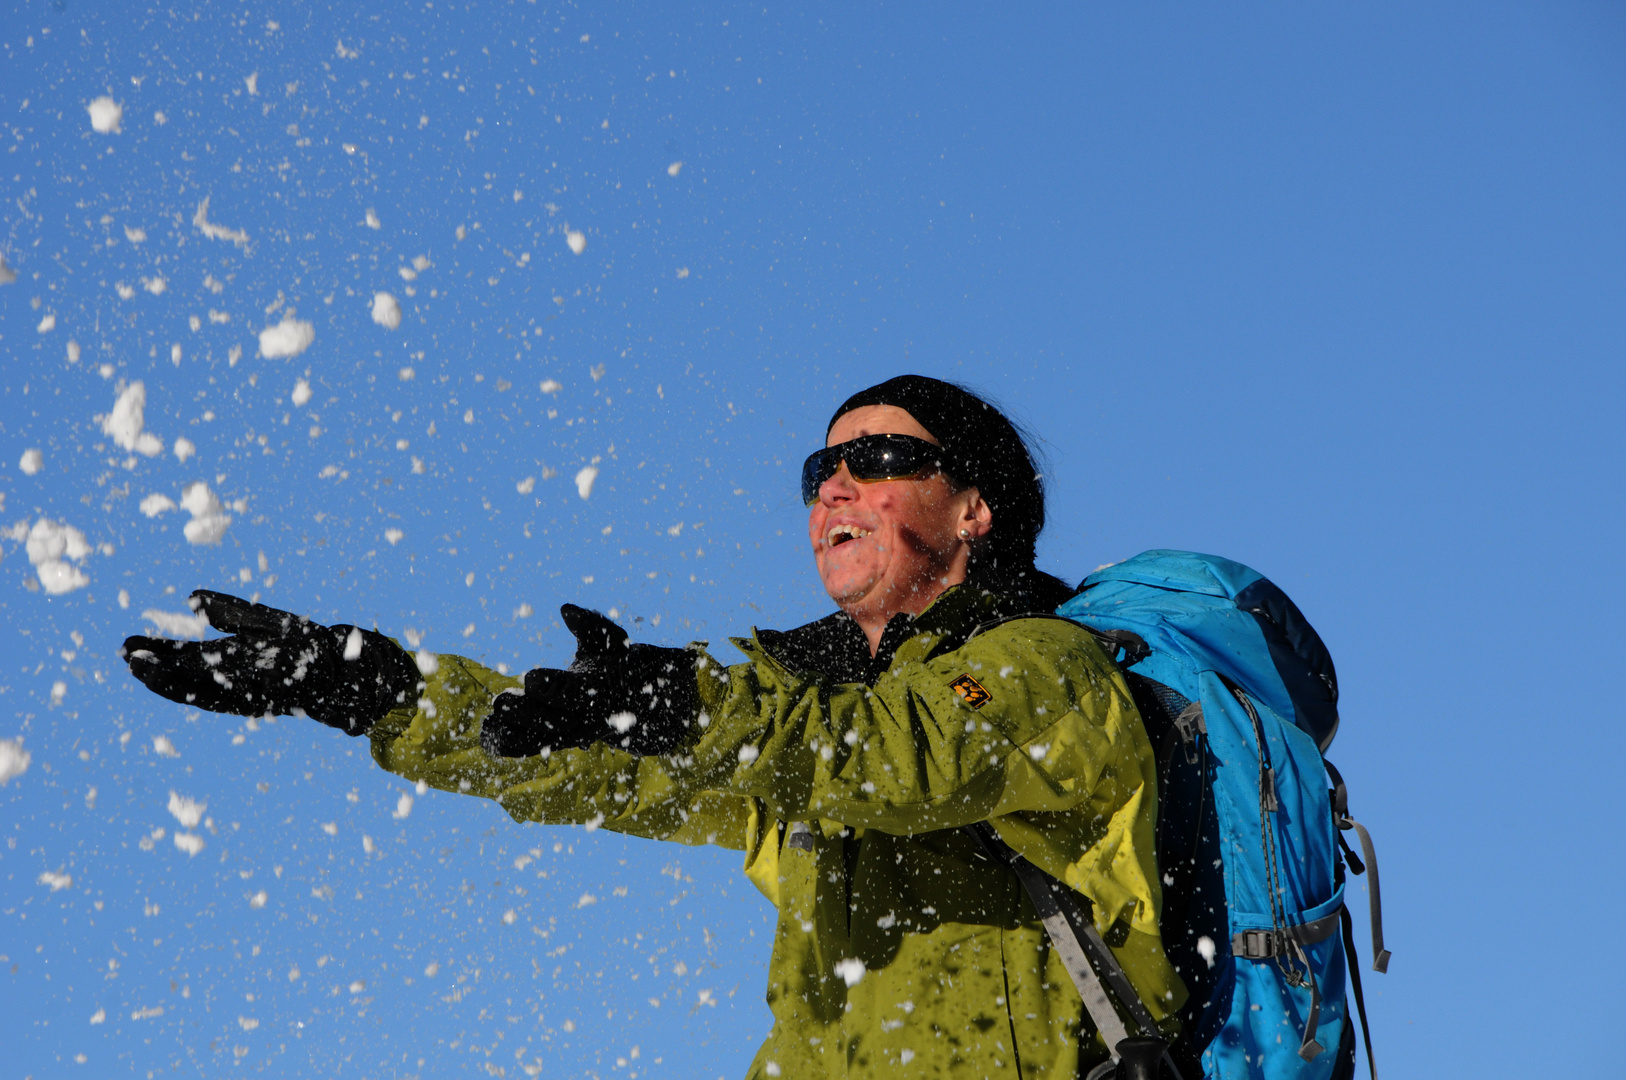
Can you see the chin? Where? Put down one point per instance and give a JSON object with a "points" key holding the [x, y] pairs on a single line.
{"points": [[848, 587]]}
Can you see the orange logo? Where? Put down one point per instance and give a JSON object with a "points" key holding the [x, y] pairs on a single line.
{"points": [[971, 691]]}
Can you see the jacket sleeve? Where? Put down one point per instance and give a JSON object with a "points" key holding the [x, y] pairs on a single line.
{"points": [[436, 739]]}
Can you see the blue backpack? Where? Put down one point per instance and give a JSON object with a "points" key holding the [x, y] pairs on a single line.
{"points": [[1240, 699]]}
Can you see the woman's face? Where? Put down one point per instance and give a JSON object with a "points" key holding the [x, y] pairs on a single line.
{"points": [[891, 545]]}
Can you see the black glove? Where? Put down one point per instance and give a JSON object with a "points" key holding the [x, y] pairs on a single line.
{"points": [[277, 663], [638, 697]]}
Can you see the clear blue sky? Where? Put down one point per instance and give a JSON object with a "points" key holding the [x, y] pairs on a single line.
{"points": [[1333, 290]]}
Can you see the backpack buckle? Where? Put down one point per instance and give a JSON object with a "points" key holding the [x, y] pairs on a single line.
{"points": [[1258, 944], [1188, 724]]}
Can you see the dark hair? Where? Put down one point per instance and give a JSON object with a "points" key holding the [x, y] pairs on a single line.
{"points": [[988, 451]]}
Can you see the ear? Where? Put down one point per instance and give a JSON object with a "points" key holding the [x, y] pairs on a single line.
{"points": [[976, 516]]}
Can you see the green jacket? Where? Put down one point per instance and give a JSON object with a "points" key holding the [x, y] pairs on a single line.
{"points": [[847, 799]]}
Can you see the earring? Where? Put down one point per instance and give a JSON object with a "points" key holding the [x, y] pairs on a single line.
{"points": [[965, 534]]}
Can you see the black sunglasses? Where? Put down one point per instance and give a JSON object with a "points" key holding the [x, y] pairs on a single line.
{"points": [[871, 459]]}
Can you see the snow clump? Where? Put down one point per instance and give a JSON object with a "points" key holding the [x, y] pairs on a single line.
{"points": [[585, 479], [56, 881], [105, 115], [191, 843], [184, 448], [32, 462], [290, 337], [850, 971], [187, 811], [209, 520], [577, 241], [302, 392], [386, 311], [125, 423], [47, 324], [156, 504], [50, 545], [177, 624], [14, 760]]}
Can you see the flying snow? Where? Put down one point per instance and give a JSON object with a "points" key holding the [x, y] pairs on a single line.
{"points": [[156, 504], [585, 479], [47, 324], [191, 843], [105, 115], [32, 462], [201, 222], [7, 274], [187, 811], [14, 762], [302, 392], [850, 971], [125, 423], [386, 311], [577, 241], [184, 448], [290, 337], [50, 545], [56, 881], [209, 520], [177, 624]]}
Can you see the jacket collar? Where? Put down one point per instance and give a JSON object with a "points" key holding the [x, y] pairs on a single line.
{"points": [[836, 648]]}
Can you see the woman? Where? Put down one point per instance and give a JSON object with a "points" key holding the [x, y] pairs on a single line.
{"points": [[843, 757]]}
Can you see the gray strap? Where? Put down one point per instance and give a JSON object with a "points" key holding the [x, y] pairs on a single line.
{"points": [[1077, 942], [1380, 955], [1309, 1049], [1264, 944]]}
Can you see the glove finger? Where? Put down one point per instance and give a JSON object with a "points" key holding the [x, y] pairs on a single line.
{"points": [[178, 671], [234, 615], [595, 635]]}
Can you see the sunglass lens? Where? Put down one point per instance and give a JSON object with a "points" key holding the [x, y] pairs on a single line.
{"points": [[819, 467]]}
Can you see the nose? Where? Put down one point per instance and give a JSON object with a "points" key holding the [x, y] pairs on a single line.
{"points": [[839, 488]]}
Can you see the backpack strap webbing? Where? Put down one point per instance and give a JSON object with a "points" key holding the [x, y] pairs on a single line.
{"points": [[1078, 944], [1341, 817], [1355, 985]]}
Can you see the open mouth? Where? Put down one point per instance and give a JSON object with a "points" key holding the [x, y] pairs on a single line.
{"points": [[841, 534]]}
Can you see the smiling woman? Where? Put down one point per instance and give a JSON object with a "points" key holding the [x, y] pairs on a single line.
{"points": [[846, 758]]}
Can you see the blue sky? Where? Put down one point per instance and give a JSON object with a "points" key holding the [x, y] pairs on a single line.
{"points": [[1333, 291]]}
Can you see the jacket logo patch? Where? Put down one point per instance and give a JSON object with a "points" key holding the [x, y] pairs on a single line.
{"points": [[971, 691]]}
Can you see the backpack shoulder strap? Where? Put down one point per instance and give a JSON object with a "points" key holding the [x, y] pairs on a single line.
{"points": [[1079, 945]]}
